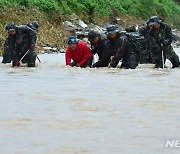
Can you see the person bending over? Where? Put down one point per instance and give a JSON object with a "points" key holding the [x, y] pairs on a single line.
{"points": [[78, 53]]}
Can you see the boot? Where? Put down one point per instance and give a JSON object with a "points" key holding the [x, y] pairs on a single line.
{"points": [[15, 63], [175, 61], [31, 58], [31, 64], [6, 59]]}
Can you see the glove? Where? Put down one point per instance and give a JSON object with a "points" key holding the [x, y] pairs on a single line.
{"points": [[31, 47], [16, 64], [74, 64]]}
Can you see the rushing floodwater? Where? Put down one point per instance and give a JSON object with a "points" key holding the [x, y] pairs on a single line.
{"points": [[52, 109]]}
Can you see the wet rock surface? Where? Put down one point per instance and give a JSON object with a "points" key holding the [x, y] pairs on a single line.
{"points": [[77, 27], [176, 38]]}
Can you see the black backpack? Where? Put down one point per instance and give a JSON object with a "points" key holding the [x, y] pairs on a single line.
{"points": [[137, 40]]}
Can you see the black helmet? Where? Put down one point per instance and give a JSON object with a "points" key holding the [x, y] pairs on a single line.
{"points": [[154, 20], [72, 40], [112, 29], [10, 26], [92, 35], [33, 24]]}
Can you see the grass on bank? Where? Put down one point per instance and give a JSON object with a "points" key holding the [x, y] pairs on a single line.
{"points": [[144, 8]]}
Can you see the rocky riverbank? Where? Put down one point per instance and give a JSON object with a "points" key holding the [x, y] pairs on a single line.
{"points": [[79, 28]]}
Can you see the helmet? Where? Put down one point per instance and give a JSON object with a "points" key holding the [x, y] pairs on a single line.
{"points": [[154, 20], [72, 40], [10, 26], [112, 29], [92, 35], [33, 24]]}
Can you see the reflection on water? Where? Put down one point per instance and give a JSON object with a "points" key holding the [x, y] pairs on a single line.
{"points": [[52, 109]]}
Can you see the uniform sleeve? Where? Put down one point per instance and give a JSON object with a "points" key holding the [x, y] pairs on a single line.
{"points": [[106, 52], [86, 53], [33, 36], [120, 47], [68, 57], [168, 38], [10, 44]]}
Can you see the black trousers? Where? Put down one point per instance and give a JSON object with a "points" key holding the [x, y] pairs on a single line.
{"points": [[30, 58]]}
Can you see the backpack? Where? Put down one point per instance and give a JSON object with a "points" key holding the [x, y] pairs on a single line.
{"points": [[137, 40]]}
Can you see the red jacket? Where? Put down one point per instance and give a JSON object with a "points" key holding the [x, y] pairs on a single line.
{"points": [[80, 55]]}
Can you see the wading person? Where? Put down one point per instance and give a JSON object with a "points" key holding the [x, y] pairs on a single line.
{"points": [[160, 43], [78, 53], [99, 46], [21, 43], [138, 40], [7, 55], [121, 48]]}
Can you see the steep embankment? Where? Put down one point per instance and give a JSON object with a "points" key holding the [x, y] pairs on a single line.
{"points": [[51, 13]]}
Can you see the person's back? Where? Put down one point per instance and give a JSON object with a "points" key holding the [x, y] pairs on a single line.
{"points": [[145, 56], [121, 48], [130, 54], [24, 38]]}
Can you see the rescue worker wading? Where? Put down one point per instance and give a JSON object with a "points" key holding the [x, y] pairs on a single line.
{"points": [[21, 39], [121, 48], [79, 53], [160, 40], [99, 46]]}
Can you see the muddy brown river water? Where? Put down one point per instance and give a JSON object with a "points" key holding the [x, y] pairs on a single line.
{"points": [[52, 109]]}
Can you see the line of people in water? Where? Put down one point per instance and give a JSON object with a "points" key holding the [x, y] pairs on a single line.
{"points": [[148, 44]]}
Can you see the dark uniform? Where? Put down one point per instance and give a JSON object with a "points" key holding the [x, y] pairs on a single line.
{"points": [[121, 49], [160, 42], [24, 40], [145, 55], [100, 47], [7, 55]]}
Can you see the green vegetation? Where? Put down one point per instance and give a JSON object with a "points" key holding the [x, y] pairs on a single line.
{"points": [[52, 12], [143, 8]]}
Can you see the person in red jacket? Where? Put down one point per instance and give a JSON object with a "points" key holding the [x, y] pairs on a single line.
{"points": [[78, 53]]}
